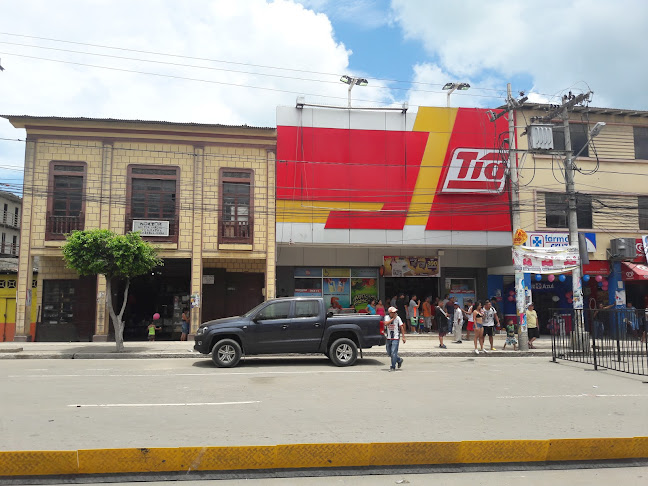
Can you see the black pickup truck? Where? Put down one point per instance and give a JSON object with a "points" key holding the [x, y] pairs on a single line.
{"points": [[289, 325]]}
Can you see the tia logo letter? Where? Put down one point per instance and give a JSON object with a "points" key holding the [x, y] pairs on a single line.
{"points": [[475, 171]]}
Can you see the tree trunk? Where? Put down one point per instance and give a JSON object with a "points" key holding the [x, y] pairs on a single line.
{"points": [[118, 325]]}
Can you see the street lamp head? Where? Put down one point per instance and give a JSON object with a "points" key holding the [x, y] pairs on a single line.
{"points": [[597, 129], [450, 86], [361, 82], [463, 86], [346, 79]]}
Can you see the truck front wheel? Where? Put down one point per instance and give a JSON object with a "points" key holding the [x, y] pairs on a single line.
{"points": [[226, 353], [343, 352]]}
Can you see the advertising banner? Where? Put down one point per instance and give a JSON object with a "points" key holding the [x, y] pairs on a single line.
{"points": [[396, 266], [545, 260], [362, 291], [336, 292], [644, 241]]}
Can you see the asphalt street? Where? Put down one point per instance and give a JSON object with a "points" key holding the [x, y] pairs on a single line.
{"points": [[76, 404]]}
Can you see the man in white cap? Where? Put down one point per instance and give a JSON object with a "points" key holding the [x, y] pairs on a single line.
{"points": [[394, 329]]}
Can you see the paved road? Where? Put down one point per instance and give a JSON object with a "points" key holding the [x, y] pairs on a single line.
{"points": [[629, 476], [71, 404]]}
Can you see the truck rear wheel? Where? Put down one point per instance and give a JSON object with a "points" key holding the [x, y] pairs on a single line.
{"points": [[343, 352], [226, 353]]}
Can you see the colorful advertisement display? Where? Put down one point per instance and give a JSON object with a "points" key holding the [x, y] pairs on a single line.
{"points": [[336, 293], [362, 291], [440, 163], [397, 266]]}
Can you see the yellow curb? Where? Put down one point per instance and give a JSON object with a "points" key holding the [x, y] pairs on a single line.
{"points": [[304, 456]]}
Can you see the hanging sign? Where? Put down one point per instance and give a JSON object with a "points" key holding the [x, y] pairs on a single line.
{"points": [[397, 266], [520, 237], [545, 260]]}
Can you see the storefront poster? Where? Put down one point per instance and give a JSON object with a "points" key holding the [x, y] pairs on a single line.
{"points": [[362, 291], [308, 292], [396, 266], [545, 260], [336, 293], [308, 272], [336, 272]]}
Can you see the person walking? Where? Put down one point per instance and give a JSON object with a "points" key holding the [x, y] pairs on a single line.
{"points": [[490, 319], [449, 308], [427, 314], [478, 318], [395, 330], [412, 311], [457, 324], [471, 319], [186, 319], [532, 324], [441, 317]]}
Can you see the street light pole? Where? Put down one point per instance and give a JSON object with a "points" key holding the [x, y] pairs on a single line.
{"points": [[352, 81], [452, 87]]}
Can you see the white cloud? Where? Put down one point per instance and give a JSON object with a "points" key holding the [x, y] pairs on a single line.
{"points": [[560, 45], [252, 33]]}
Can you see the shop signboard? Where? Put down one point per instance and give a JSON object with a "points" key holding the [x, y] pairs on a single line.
{"points": [[151, 227], [308, 272], [545, 260], [397, 266], [308, 292], [336, 272]]}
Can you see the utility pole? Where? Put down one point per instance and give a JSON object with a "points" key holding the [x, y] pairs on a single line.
{"points": [[520, 291], [520, 294], [577, 286]]}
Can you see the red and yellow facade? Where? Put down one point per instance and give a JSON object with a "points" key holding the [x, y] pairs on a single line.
{"points": [[356, 186]]}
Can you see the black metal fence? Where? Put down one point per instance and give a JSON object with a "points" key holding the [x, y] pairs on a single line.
{"points": [[613, 339]]}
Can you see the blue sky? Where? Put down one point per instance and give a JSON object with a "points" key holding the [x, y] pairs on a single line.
{"points": [[218, 61]]}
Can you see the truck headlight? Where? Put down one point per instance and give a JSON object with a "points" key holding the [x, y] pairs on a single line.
{"points": [[201, 330]]}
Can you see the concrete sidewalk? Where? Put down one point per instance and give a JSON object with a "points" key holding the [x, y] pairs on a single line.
{"points": [[425, 345]]}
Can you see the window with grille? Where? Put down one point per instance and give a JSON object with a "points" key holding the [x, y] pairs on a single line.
{"points": [[641, 142], [579, 138], [66, 200], [643, 212], [557, 210], [236, 206]]}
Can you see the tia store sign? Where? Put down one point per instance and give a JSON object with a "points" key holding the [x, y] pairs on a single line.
{"points": [[475, 171]]}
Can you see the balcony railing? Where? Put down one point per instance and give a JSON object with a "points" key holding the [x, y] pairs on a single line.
{"points": [[58, 226], [10, 219], [8, 249], [236, 231]]}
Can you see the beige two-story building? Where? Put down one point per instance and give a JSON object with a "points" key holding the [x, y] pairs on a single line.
{"points": [[611, 183], [203, 194]]}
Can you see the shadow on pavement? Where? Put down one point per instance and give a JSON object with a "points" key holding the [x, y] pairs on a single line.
{"points": [[310, 361]]}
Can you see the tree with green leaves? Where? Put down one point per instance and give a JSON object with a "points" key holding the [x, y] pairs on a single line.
{"points": [[117, 257]]}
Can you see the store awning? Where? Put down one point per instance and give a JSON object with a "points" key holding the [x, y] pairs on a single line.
{"points": [[634, 271]]}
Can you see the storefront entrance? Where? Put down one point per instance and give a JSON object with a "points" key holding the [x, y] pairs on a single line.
{"points": [[165, 290], [421, 286], [68, 310]]}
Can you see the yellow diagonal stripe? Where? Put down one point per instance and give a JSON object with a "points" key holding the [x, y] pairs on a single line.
{"points": [[439, 122]]}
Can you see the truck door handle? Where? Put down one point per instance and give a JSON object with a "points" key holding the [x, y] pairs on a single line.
{"points": [[285, 326], [317, 325]]}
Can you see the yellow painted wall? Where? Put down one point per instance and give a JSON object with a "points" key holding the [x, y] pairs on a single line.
{"points": [[8, 285], [619, 180]]}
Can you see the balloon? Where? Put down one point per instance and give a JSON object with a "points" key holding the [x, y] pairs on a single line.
{"points": [[551, 278], [512, 292], [586, 278], [555, 298], [156, 316], [511, 298], [562, 278], [538, 277], [570, 301], [599, 278]]}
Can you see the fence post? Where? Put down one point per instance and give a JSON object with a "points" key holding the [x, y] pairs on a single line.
{"points": [[593, 333]]}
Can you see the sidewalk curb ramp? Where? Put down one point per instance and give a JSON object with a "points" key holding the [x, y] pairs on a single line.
{"points": [[85, 463]]}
